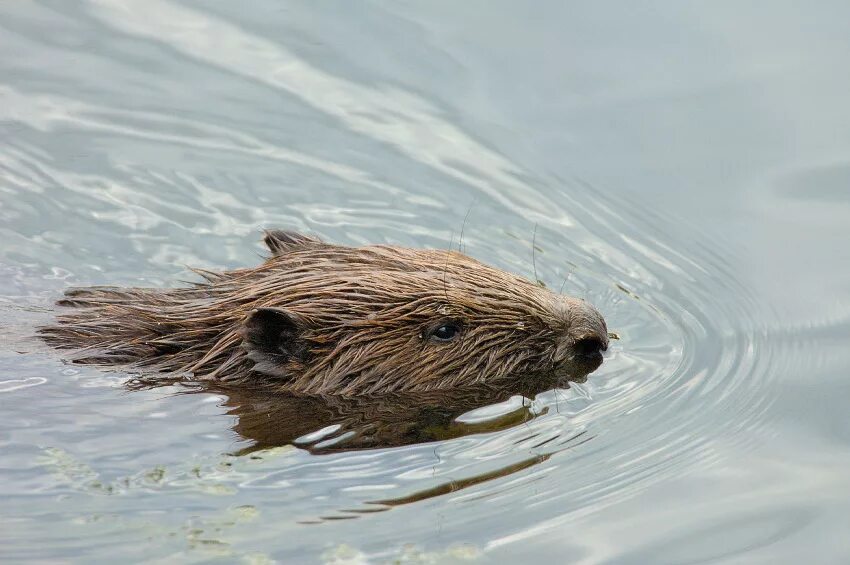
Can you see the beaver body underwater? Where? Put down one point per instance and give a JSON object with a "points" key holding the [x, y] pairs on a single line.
{"points": [[334, 423], [319, 318]]}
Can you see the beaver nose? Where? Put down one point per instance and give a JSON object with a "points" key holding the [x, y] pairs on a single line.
{"points": [[588, 331], [589, 346]]}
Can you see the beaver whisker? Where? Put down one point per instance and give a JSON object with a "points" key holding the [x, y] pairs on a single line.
{"points": [[446, 268], [533, 258], [463, 226]]}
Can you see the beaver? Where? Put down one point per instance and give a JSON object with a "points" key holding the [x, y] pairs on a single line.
{"points": [[320, 318]]}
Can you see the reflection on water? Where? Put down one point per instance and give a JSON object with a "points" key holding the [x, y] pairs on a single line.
{"points": [[334, 424], [338, 423], [683, 166]]}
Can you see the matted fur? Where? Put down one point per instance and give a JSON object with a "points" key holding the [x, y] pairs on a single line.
{"points": [[363, 319]]}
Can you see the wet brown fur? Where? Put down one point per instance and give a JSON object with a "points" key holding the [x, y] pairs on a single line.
{"points": [[354, 320]]}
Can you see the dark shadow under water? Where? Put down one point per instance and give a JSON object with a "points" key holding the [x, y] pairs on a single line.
{"points": [[324, 424]]}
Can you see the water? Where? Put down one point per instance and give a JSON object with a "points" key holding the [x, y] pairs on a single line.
{"points": [[686, 165]]}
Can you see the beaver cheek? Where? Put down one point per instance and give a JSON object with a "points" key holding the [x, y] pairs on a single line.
{"points": [[563, 352]]}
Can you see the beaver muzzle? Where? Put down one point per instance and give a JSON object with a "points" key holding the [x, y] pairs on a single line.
{"points": [[586, 337]]}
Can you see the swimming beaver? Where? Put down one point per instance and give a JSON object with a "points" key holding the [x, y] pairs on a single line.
{"points": [[319, 318]]}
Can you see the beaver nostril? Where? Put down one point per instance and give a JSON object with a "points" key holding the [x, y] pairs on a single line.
{"points": [[589, 346]]}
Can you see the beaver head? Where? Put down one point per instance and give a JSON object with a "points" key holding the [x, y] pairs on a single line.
{"points": [[330, 319]]}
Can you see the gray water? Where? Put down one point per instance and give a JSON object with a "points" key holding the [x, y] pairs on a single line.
{"points": [[687, 168]]}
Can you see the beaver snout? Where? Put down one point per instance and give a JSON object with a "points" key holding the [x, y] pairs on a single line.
{"points": [[587, 335]]}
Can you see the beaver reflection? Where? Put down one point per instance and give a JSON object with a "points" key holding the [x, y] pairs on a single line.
{"points": [[332, 423]]}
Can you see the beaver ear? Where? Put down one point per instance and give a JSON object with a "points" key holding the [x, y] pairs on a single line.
{"points": [[272, 336], [280, 241]]}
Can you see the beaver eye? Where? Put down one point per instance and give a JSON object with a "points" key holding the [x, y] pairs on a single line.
{"points": [[445, 332]]}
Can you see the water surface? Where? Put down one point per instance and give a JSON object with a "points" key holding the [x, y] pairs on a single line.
{"points": [[687, 168]]}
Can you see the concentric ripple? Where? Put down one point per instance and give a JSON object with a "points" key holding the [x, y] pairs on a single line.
{"points": [[118, 168]]}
